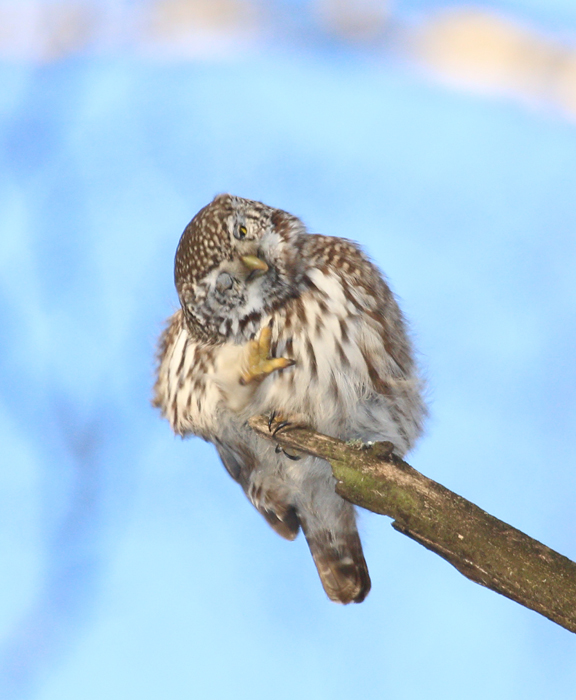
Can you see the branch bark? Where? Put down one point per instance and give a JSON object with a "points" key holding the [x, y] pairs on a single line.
{"points": [[483, 548]]}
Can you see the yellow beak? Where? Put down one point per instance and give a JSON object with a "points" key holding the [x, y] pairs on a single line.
{"points": [[254, 263]]}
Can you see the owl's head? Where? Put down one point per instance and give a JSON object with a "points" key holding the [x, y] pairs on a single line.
{"points": [[236, 261]]}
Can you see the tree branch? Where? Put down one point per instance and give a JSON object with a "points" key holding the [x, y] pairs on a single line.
{"points": [[481, 547]]}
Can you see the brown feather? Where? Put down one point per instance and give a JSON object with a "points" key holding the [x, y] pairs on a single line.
{"points": [[341, 566]]}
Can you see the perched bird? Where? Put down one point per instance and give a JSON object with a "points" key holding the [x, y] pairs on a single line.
{"points": [[303, 328]]}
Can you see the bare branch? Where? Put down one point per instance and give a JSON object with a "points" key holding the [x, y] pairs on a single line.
{"points": [[481, 547]]}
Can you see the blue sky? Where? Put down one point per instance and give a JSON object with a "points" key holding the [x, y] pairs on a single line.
{"points": [[133, 565], [560, 14]]}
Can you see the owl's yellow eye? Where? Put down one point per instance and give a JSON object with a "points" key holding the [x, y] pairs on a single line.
{"points": [[242, 231]]}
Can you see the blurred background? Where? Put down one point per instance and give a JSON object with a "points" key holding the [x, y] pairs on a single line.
{"points": [[439, 134]]}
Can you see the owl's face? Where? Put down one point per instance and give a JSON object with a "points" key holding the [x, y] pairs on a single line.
{"points": [[236, 261]]}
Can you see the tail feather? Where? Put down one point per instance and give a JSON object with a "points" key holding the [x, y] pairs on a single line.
{"points": [[341, 565]]}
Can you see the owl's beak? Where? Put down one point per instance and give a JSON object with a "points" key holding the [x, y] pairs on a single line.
{"points": [[254, 263]]}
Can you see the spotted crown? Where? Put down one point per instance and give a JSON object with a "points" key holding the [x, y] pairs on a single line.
{"points": [[204, 243]]}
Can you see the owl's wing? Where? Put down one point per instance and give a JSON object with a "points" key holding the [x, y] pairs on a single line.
{"points": [[288, 527], [330, 531], [367, 292], [183, 394], [240, 462], [367, 360], [230, 461]]}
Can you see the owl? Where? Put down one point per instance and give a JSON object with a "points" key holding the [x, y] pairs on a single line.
{"points": [[299, 327]]}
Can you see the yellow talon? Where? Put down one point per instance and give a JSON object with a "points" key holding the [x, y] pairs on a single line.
{"points": [[260, 364]]}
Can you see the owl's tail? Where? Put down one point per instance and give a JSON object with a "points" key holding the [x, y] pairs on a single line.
{"points": [[340, 563]]}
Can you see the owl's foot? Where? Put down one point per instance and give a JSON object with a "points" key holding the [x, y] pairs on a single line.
{"points": [[260, 364], [294, 458], [276, 423]]}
